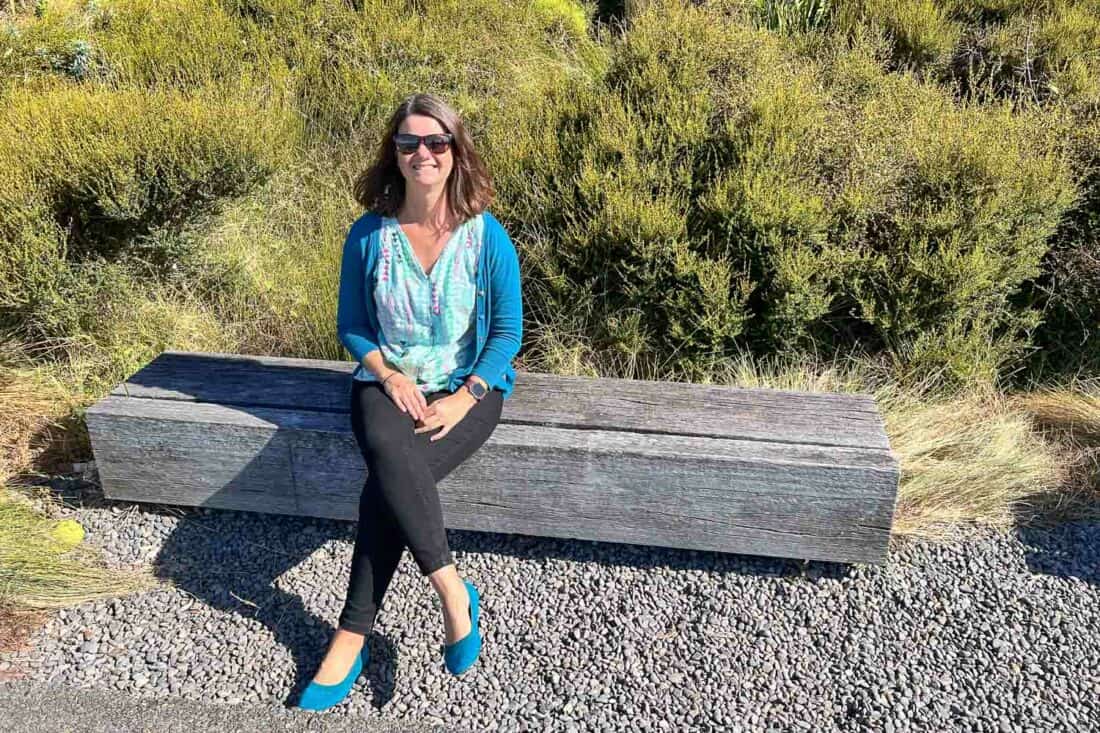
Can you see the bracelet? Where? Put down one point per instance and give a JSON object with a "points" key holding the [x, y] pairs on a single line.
{"points": [[387, 378]]}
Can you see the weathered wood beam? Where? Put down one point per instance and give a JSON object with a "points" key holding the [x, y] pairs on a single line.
{"points": [[612, 460]]}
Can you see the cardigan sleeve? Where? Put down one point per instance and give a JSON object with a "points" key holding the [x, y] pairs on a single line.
{"points": [[353, 323], [506, 302]]}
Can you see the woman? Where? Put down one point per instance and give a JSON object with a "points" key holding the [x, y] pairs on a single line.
{"points": [[431, 309]]}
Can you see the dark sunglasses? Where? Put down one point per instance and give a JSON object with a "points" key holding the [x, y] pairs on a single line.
{"points": [[437, 143]]}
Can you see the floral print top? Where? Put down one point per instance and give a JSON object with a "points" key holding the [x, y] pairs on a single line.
{"points": [[427, 320]]}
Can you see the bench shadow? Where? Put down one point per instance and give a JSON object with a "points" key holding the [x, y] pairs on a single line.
{"points": [[244, 581], [1065, 550], [646, 557], [241, 577]]}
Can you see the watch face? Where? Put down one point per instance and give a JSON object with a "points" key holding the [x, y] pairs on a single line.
{"points": [[477, 389]]}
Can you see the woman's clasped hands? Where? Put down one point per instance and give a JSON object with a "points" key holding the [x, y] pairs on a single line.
{"points": [[445, 412]]}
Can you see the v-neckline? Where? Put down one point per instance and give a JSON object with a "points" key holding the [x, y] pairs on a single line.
{"points": [[412, 252]]}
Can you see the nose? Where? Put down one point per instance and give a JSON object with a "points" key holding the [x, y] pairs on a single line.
{"points": [[423, 152]]}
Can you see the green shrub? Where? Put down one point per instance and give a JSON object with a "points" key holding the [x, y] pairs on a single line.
{"points": [[1034, 49], [1042, 52], [55, 44], [975, 200], [725, 198], [1068, 291], [97, 174], [923, 33], [641, 147], [566, 16], [184, 44], [352, 67]]}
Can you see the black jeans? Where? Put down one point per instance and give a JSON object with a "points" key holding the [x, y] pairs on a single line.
{"points": [[399, 505]]}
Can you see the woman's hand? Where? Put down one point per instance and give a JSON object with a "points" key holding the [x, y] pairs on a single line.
{"points": [[407, 396], [448, 412]]}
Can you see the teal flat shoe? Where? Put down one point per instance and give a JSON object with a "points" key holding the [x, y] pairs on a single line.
{"points": [[321, 697], [461, 655]]}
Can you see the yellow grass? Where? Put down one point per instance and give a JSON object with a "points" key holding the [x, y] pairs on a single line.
{"points": [[38, 431], [32, 406], [38, 571]]}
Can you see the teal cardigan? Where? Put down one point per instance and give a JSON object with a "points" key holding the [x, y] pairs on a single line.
{"points": [[499, 302]]}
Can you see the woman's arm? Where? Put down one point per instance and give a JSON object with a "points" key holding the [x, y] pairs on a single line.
{"points": [[506, 320], [352, 321]]}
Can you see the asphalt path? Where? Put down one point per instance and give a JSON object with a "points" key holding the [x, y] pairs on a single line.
{"points": [[40, 707]]}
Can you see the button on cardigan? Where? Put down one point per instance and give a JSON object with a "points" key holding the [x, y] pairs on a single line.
{"points": [[498, 303]]}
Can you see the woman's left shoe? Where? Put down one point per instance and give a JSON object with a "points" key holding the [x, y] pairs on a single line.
{"points": [[323, 697], [461, 655]]}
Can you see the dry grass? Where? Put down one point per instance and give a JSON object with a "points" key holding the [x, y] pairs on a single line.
{"points": [[40, 431], [17, 626], [1070, 417], [971, 458], [39, 573], [34, 404], [1072, 414]]}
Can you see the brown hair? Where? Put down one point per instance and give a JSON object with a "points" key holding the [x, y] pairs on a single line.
{"points": [[381, 188]]}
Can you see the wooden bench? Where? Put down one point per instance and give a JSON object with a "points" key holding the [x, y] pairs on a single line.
{"points": [[757, 471]]}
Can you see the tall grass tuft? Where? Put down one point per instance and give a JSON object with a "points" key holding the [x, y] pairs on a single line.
{"points": [[970, 458], [792, 16], [39, 571]]}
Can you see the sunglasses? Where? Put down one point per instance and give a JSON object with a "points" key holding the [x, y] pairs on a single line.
{"points": [[409, 144]]}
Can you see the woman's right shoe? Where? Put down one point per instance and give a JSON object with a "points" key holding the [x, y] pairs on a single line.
{"points": [[461, 655], [321, 697]]}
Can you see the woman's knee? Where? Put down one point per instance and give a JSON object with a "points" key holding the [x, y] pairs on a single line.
{"points": [[386, 438], [386, 434], [380, 421]]}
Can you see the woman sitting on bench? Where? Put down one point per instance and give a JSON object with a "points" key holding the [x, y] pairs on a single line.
{"points": [[430, 307]]}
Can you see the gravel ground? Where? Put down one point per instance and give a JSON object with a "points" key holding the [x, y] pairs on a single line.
{"points": [[989, 632]]}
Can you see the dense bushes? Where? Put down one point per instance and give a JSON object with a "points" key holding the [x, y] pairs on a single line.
{"points": [[728, 190], [95, 175], [1023, 52], [913, 176]]}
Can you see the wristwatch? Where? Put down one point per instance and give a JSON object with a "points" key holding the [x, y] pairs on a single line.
{"points": [[475, 388]]}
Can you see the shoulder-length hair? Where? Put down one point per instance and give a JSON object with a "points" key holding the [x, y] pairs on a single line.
{"points": [[381, 187]]}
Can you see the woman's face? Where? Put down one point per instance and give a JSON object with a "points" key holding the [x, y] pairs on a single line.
{"points": [[424, 169]]}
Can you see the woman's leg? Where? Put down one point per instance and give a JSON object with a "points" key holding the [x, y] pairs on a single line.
{"points": [[400, 502], [400, 506], [378, 547], [443, 456]]}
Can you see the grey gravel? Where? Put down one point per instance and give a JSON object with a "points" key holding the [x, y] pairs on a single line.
{"points": [[987, 632]]}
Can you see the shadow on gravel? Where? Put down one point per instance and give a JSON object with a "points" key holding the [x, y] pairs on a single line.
{"points": [[1067, 551], [646, 557], [230, 560]]}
